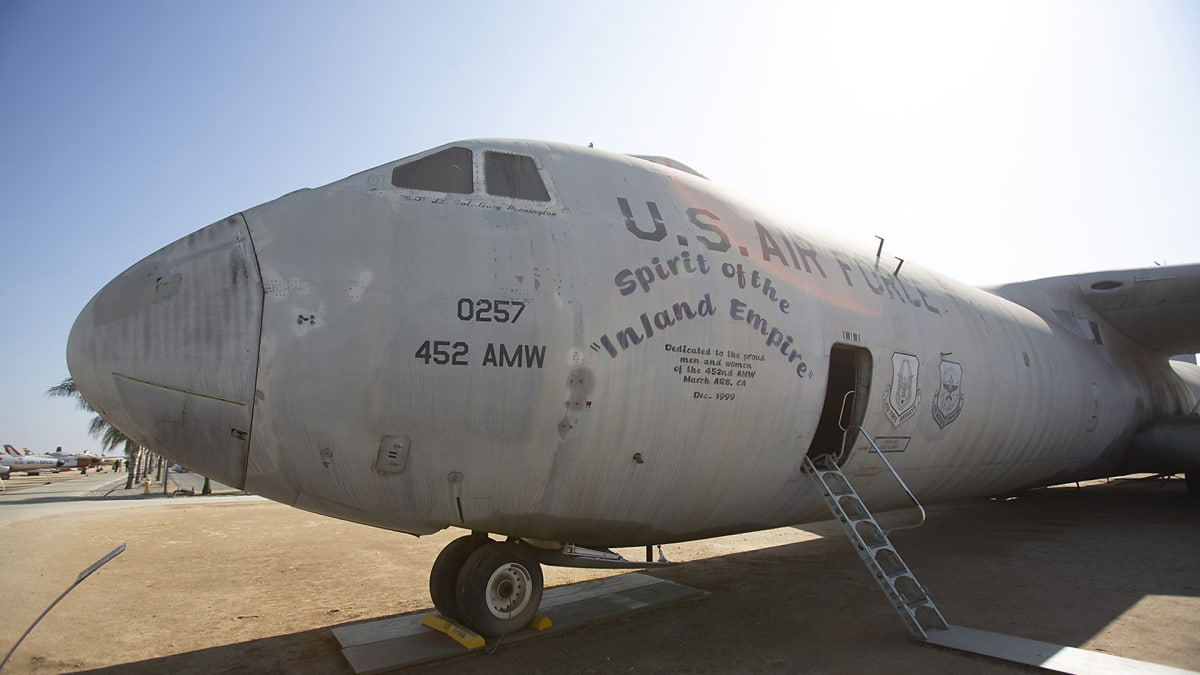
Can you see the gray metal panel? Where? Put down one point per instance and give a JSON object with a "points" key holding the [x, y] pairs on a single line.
{"points": [[640, 422], [167, 350], [1157, 307]]}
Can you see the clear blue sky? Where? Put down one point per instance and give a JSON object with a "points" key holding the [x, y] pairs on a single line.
{"points": [[995, 142]]}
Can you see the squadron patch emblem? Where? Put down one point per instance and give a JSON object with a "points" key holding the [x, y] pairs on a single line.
{"points": [[901, 398], [948, 402]]}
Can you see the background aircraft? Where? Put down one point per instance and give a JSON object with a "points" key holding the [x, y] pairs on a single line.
{"points": [[76, 460], [30, 464], [576, 350]]}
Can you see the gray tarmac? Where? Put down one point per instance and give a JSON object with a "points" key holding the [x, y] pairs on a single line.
{"points": [[50, 494]]}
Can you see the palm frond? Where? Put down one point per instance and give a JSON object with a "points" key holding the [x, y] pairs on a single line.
{"points": [[109, 435], [67, 389], [112, 437], [98, 425]]}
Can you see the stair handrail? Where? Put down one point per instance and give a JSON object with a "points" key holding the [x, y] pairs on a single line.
{"points": [[888, 464]]}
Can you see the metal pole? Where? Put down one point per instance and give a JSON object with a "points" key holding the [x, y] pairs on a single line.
{"points": [[78, 580]]}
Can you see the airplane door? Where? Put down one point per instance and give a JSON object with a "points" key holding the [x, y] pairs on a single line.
{"points": [[847, 394]]}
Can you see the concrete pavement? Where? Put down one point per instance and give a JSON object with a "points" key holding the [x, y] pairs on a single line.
{"points": [[58, 494]]}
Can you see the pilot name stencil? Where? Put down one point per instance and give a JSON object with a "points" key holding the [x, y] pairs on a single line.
{"points": [[472, 203]]}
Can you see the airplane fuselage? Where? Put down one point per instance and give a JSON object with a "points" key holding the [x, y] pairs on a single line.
{"points": [[628, 355], [15, 460], [75, 460]]}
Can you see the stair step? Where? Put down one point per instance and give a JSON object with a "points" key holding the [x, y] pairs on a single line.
{"points": [[891, 569], [919, 602]]}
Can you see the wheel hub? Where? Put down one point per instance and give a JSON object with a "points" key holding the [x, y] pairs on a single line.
{"points": [[508, 590]]}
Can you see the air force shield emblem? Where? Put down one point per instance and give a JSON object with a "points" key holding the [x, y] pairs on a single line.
{"points": [[948, 402], [901, 398]]}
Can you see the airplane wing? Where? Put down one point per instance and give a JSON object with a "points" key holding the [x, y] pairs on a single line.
{"points": [[1156, 307]]}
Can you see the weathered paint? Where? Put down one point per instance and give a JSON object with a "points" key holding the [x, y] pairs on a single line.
{"points": [[171, 348], [662, 380]]}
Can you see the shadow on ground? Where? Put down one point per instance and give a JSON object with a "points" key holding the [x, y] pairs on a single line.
{"points": [[1060, 565]]}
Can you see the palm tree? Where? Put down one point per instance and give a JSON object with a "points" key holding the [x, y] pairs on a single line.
{"points": [[110, 436]]}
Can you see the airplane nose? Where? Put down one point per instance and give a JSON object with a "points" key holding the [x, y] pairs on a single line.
{"points": [[167, 351]]}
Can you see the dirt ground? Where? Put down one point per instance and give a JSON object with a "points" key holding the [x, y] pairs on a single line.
{"points": [[255, 587]]}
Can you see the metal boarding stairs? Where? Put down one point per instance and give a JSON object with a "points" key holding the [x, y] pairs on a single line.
{"points": [[907, 596]]}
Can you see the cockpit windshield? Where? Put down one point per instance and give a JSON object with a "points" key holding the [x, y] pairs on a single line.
{"points": [[516, 176], [504, 174], [445, 171]]}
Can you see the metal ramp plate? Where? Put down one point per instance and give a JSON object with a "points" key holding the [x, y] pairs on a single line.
{"points": [[401, 641], [1044, 654]]}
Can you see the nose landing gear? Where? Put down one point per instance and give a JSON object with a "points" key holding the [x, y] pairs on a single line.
{"points": [[491, 587]]}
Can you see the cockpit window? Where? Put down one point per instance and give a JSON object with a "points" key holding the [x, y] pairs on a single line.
{"points": [[513, 176], [445, 171]]}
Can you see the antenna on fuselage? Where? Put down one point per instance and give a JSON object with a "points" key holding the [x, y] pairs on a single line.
{"points": [[879, 254]]}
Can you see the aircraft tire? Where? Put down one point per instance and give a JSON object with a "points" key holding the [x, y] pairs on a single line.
{"points": [[500, 588], [443, 577]]}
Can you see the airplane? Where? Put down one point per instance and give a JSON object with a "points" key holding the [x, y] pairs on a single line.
{"points": [[75, 460], [31, 464], [575, 350]]}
